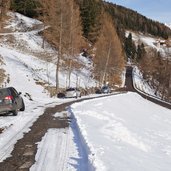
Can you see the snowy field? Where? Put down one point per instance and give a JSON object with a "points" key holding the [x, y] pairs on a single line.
{"points": [[125, 132]]}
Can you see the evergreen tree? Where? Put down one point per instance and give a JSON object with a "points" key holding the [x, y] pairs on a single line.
{"points": [[131, 20], [140, 52], [26, 7], [130, 48], [90, 13]]}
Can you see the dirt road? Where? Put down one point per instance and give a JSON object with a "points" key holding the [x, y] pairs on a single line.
{"points": [[23, 155]]}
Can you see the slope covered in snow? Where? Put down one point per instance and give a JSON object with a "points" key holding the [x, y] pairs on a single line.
{"points": [[168, 25], [150, 42], [23, 44]]}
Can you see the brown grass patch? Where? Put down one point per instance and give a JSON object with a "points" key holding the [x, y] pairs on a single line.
{"points": [[1, 130], [2, 72]]}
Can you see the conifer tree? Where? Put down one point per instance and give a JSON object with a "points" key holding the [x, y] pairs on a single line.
{"points": [[90, 13], [26, 7], [140, 52], [130, 48]]}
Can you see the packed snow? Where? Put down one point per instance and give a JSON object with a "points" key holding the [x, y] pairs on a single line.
{"points": [[54, 151], [124, 134]]}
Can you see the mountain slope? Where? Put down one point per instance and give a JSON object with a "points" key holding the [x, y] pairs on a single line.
{"points": [[131, 20], [24, 46]]}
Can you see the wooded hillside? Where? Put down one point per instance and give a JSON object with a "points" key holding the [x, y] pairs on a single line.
{"points": [[98, 27], [131, 20]]}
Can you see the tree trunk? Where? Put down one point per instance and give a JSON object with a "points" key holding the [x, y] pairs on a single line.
{"points": [[107, 61], [60, 51], [69, 74]]}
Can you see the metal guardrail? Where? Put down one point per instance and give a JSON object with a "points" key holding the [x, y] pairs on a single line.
{"points": [[144, 93]]}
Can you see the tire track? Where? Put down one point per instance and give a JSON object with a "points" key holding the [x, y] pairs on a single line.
{"points": [[53, 151]]}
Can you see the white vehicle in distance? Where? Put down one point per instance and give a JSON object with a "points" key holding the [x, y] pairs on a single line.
{"points": [[72, 92], [106, 89]]}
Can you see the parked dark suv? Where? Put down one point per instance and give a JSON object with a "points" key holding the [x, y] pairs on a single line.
{"points": [[10, 101]]}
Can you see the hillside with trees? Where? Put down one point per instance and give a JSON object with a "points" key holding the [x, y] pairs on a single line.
{"points": [[76, 25], [131, 20], [99, 28]]}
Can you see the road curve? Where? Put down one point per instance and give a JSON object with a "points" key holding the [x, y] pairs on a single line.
{"points": [[129, 87]]}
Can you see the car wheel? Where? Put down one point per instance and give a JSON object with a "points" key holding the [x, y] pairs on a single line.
{"points": [[15, 112], [23, 106]]}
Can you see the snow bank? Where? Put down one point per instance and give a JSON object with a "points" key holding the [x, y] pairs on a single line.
{"points": [[84, 150]]}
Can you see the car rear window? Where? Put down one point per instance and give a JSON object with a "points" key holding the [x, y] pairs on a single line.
{"points": [[70, 89], [3, 93]]}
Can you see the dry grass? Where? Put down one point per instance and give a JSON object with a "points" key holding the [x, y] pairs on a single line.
{"points": [[5, 128], [2, 72], [50, 89], [1, 130], [2, 76]]}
